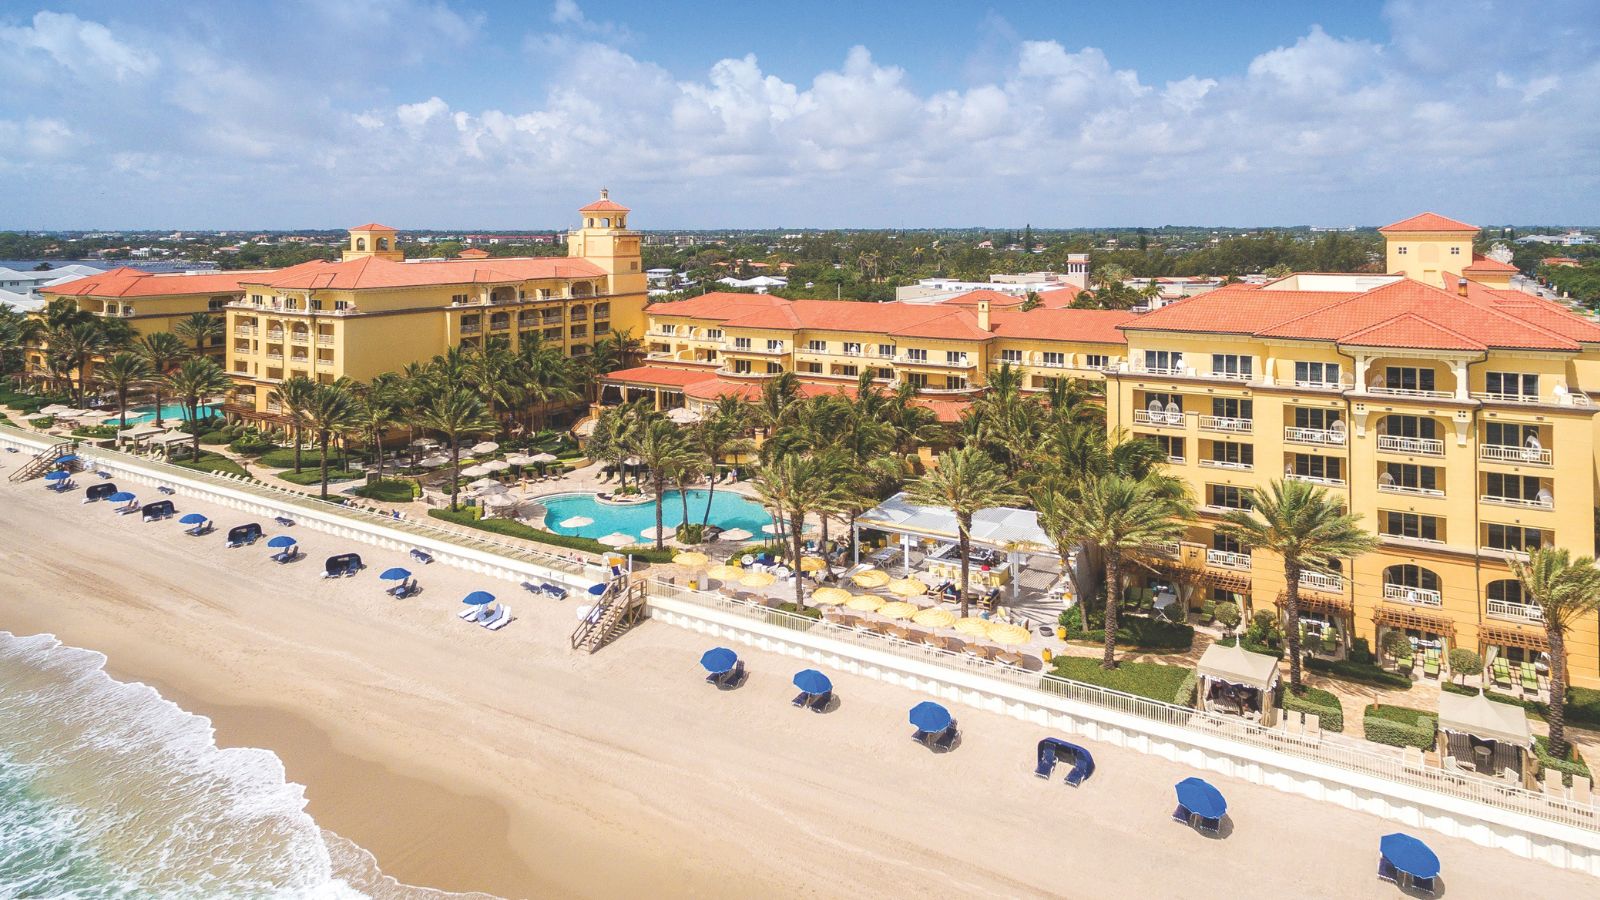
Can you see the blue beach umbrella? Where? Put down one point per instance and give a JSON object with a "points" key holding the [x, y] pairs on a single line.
{"points": [[122, 497], [598, 589], [395, 574], [812, 682], [1409, 855], [718, 660], [478, 598], [282, 540], [1199, 797], [57, 475], [192, 519], [69, 458], [930, 716]]}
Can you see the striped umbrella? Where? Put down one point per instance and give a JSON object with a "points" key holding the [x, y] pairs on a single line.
{"points": [[934, 617], [871, 578], [830, 596], [725, 573], [757, 579], [865, 602], [1010, 635], [907, 587], [974, 626], [899, 609], [692, 559]]}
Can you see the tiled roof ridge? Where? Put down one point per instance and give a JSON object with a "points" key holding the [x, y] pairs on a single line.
{"points": [[1409, 315]]}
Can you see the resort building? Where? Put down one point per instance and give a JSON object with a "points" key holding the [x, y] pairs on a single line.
{"points": [[935, 290], [373, 312], [1454, 415], [721, 343]]}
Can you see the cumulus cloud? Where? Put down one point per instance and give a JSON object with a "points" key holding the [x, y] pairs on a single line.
{"points": [[87, 50]]}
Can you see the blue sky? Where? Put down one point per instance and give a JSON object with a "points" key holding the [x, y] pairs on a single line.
{"points": [[428, 113]]}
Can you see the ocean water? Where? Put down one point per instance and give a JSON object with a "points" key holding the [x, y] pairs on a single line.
{"points": [[108, 790]]}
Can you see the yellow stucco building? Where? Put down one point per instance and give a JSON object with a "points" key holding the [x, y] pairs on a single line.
{"points": [[1455, 416], [148, 302]]}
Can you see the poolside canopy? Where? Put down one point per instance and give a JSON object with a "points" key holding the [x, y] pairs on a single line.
{"points": [[140, 431], [999, 527], [171, 437], [1484, 718], [67, 458], [1237, 665]]}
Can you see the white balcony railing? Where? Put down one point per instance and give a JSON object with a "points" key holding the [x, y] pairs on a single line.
{"points": [[1504, 553], [1522, 502], [1230, 376], [1322, 581], [1226, 423], [1226, 464], [324, 340], [1166, 370], [1499, 397], [1164, 419], [1398, 444], [1327, 437], [1409, 489], [1227, 559], [1410, 392], [243, 330], [1325, 385], [1517, 612], [1315, 479], [1415, 596], [1171, 549], [1409, 540], [1536, 456]]}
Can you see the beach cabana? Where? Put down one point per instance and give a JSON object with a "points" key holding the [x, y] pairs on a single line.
{"points": [[1484, 736], [1407, 862], [198, 523], [1014, 532], [816, 689], [99, 491], [1236, 680], [1052, 750], [342, 565], [138, 433], [161, 509], [725, 667], [240, 535]]}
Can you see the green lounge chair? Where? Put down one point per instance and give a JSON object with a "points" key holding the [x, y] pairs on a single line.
{"points": [[1502, 673], [1404, 663], [1530, 677], [1430, 664]]}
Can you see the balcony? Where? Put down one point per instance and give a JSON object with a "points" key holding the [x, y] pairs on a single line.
{"points": [[1533, 456], [730, 373], [1406, 540], [278, 357], [244, 330], [1227, 559], [1226, 423], [1401, 593], [1321, 437], [1160, 419], [471, 329], [1410, 392], [1515, 612], [324, 340], [1342, 385], [1315, 479], [1165, 370], [1499, 397], [961, 362], [501, 325], [275, 336], [761, 350], [1520, 502], [1504, 553], [1230, 376], [1226, 464], [1395, 443], [299, 337], [1169, 549], [1322, 581], [1048, 363], [1409, 489], [325, 364]]}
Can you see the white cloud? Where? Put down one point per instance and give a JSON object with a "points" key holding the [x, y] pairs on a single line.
{"points": [[416, 115], [86, 49]]}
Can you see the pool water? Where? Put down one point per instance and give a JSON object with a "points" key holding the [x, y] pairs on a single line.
{"points": [[728, 510], [140, 414]]}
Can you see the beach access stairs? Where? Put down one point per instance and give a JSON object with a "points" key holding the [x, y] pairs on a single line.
{"points": [[618, 609], [41, 462]]}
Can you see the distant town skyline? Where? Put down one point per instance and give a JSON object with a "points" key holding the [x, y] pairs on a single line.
{"points": [[498, 115]]}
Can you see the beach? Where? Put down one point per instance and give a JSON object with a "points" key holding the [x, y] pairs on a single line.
{"points": [[504, 762]]}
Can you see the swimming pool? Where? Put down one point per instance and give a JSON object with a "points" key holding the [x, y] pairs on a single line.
{"points": [[141, 414], [728, 510]]}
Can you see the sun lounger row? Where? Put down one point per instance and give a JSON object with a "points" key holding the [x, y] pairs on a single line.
{"points": [[548, 589], [493, 621]]}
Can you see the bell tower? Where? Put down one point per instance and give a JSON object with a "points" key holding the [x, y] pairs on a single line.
{"points": [[373, 239], [604, 239]]}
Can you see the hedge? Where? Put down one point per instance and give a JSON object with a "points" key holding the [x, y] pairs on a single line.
{"points": [[1365, 673], [1187, 689], [1153, 680], [1320, 703], [393, 490], [1399, 726], [1138, 632], [1567, 767], [311, 474], [215, 437], [513, 528], [211, 462]]}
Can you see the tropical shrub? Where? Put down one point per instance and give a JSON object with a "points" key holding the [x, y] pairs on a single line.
{"points": [[1320, 703]]}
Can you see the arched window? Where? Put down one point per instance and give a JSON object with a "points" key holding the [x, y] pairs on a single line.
{"points": [[383, 243], [361, 243], [1411, 576], [1508, 590], [581, 289], [622, 221], [588, 223], [606, 222]]}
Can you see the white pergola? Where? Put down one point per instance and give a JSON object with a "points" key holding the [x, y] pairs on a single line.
{"points": [[1002, 528]]}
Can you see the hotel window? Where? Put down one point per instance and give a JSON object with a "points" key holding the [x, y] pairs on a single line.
{"points": [[815, 368], [915, 355], [341, 305], [1513, 487], [1409, 426], [851, 371], [1232, 408], [458, 299], [955, 383], [1231, 365], [1226, 543], [1410, 525], [1163, 360], [774, 346], [1514, 537], [602, 310], [215, 304], [1407, 476], [773, 368], [552, 334], [544, 294], [1407, 378], [1400, 251], [1097, 361], [1513, 384], [1310, 465], [316, 304], [1233, 453], [886, 351], [886, 374], [1506, 434], [955, 357], [1170, 445], [256, 299], [1455, 251], [817, 346], [1316, 373], [1166, 400], [580, 331], [917, 379], [1228, 496], [713, 334], [741, 366], [852, 348], [1011, 356], [741, 343], [1054, 360], [1508, 590]]}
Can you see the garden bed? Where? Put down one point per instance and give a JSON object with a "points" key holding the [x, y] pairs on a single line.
{"points": [[1363, 673], [1153, 680], [391, 490], [211, 462], [1399, 726]]}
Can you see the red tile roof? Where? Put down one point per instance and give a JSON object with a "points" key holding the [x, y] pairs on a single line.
{"points": [[473, 253], [604, 204], [717, 305], [1057, 298], [1060, 297], [657, 376], [132, 283], [924, 320], [1095, 326], [1484, 264], [373, 226], [1427, 222], [374, 272]]}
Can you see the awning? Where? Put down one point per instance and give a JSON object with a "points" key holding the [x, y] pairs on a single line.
{"points": [[1484, 718], [1237, 665], [1322, 603], [1000, 527], [1410, 618], [1509, 636]]}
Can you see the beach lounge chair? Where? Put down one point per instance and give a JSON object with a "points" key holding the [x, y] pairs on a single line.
{"points": [[470, 613], [1182, 814], [155, 512], [555, 591], [1530, 678], [801, 699], [498, 620], [1501, 672], [200, 528], [819, 702], [163, 489], [1386, 871], [98, 492], [945, 740], [287, 554], [285, 521], [729, 679], [1430, 664], [242, 535], [421, 556]]}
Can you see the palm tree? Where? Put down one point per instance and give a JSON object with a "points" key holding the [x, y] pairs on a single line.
{"points": [[122, 373], [17, 330], [1309, 529], [332, 409], [377, 405], [200, 327], [77, 346], [718, 436], [1117, 515], [294, 395], [455, 413], [660, 445], [964, 481], [548, 377], [194, 380], [1565, 590], [795, 485], [777, 394], [492, 372], [161, 350]]}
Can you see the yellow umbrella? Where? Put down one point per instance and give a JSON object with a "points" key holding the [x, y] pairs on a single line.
{"points": [[899, 609], [871, 578], [907, 587], [934, 617], [974, 626], [812, 564], [865, 602], [757, 579], [725, 573], [1012, 635], [830, 596], [692, 559]]}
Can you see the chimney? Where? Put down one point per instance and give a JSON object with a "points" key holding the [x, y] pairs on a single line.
{"points": [[983, 315], [1461, 286]]}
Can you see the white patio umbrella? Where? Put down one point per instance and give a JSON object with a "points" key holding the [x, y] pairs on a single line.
{"points": [[499, 498], [485, 447], [433, 462], [667, 531], [735, 534], [495, 465], [576, 522], [633, 461], [54, 409], [475, 471], [542, 458], [520, 460], [684, 416], [618, 539], [425, 443], [484, 483]]}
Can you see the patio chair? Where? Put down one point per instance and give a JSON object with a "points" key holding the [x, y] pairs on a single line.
{"points": [[1430, 665], [819, 702], [499, 620], [801, 699], [1530, 678], [421, 556], [1182, 814], [1387, 871], [1552, 783], [1501, 673], [945, 740], [1581, 790], [284, 521]]}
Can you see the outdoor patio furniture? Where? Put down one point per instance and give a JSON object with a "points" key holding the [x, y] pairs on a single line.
{"points": [[1530, 678], [1501, 673]]}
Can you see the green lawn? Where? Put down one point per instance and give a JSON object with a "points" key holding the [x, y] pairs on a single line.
{"points": [[1405, 715], [312, 475], [1153, 680], [212, 462], [393, 490]]}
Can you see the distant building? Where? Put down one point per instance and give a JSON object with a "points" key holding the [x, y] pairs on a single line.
{"points": [[493, 239], [1570, 239], [936, 290], [20, 290], [760, 284], [1564, 261]]}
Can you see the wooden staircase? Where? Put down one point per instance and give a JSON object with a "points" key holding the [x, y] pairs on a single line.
{"points": [[619, 609], [41, 462]]}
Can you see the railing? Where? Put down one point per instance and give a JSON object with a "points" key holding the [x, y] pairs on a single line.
{"points": [[1226, 423], [1320, 436], [500, 325], [1501, 397], [1415, 596], [1315, 479], [299, 337], [1162, 419], [1537, 456], [1325, 385], [1048, 363], [1409, 489], [1226, 464], [1523, 502], [1517, 612], [1169, 549], [1164, 370], [1398, 444], [1504, 553], [244, 331], [1227, 559], [471, 329], [1230, 376], [324, 363], [1322, 581], [1410, 392], [324, 340], [1408, 540], [275, 356], [275, 336]]}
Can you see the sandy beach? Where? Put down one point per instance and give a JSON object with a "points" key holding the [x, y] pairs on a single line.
{"points": [[505, 763]]}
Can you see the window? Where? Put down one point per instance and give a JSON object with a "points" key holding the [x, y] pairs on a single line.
{"points": [[215, 304], [1232, 453], [1316, 374], [741, 366], [1170, 445], [1097, 361], [1407, 378], [713, 334], [1400, 251], [1231, 365], [851, 371], [602, 310], [741, 343], [1410, 525], [1054, 360], [1315, 418], [955, 382], [1232, 408], [1228, 496], [316, 303], [915, 355], [1512, 384], [917, 379], [580, 331], [773, 368], [1163, 360], [1455, 251], [458, 299], [1505, 434], [1166, 400], [886, 374], [1415, 577], [815, 368], [1508, 590], [774, 345], [1409, 426], [886, 351], [1407, 476], [955, 358], [1011, 356], [1514, 537], [817, 346], [1226, 543], [851, 348], [1309, 465]]}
